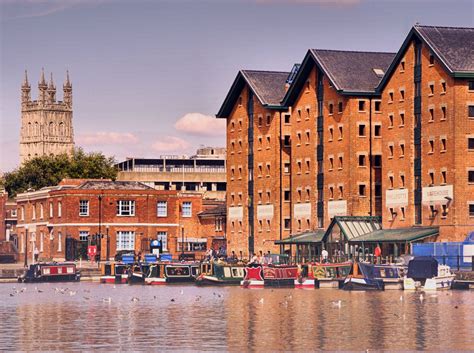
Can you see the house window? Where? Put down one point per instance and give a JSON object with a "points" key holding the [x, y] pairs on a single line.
{"points": [[471, 85], [378, 190], [286, 141], [443, 177], [402, 119], [392, 213], [470, 143], [362, 189], [331, 163], [340, 107], [377, 161], [471, 111], [431, 146], [162, 209], [443, 144], [192, 245], [331, 109], [402, 181], [390, 149], [41, 211], [287, 223], [361, 160], [471, 210], [341, 191], [60, 242], [33, 210], [471, 176], [361, 106], [125, 208], [163, 238], [431, 89], [331, 193], [286, 167], [22, 212], [286, 118], [402, 150], [431, 175], [431, 59], [41, 247], [402, 66], [362, 130], [60, 211], [390, 121], [287, 195], [331, 134], [83, 235], [260, 121], [187, 209], [308, 166], [443, 113], [390, 178], [125, 240], [377, 130], [402, 95], [431, 110], [340, 132], [377, 106], [340, 162], [51, 211], [433, 211], [390, 97], [443, 87], [403, 212], [269, 119], [307, 137]]}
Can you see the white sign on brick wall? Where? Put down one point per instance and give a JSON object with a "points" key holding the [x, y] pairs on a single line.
{"points": [[396, 198], [236, 212], [437, 194], [302, 210], [264, 211], [337, 208]]}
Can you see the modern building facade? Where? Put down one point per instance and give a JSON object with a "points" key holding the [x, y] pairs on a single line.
{"points": [[358, 134], [115, 216], [204, 172], [46, 124]]}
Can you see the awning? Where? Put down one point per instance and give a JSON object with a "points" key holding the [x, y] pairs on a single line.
{"points": [[304, 238], [396, 235]]}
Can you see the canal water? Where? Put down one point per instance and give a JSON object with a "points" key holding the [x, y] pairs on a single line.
{"points": [[87, 316]]}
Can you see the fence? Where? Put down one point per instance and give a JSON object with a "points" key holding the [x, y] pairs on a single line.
{"points": [[454, 254]]}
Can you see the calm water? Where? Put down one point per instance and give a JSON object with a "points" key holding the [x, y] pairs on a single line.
{"points": [[231, 319]]}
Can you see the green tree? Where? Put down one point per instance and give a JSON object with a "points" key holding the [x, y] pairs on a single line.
{"points": [[50, 170]]}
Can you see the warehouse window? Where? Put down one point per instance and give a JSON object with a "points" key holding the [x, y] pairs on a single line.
{"points": [[125, 240]]}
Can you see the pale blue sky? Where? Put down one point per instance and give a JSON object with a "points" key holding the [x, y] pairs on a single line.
{"points": [[137, 67]]}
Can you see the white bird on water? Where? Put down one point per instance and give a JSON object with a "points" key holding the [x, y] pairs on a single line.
{"points": [[71, 293], [107, 300], [421, 298], [181, 292], [401, 298], [261, 301], [337, 304], [135, 299]]}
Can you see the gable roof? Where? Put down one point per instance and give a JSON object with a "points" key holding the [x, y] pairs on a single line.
{"points": [[267, 86], [452, 46], [350, 72], [114, 185]]}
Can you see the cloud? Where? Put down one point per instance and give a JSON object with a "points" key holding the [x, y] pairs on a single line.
{"points": [[200, 124], [106, 138], [315, 2], [170, 144]]}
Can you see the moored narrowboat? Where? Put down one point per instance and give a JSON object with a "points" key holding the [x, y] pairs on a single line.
{"points": [[330, 275], [259, 276], [137, 273], [165, 273], [51, 272], [217, 273], [362, 277], [425, 273], [114, 272]]}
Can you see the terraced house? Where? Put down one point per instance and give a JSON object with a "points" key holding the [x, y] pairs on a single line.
{"points": [[361, 134]]}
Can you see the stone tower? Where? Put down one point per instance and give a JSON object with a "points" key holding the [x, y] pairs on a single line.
{"points": [[46, 124]]}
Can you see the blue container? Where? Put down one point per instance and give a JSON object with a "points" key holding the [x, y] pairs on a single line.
{"points": [[128, 259], [165, 257], [150, 258]]}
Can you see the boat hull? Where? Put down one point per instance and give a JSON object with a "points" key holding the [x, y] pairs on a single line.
{"points": [[352, 283], [214, 281], [306, 283], [114, 279]]}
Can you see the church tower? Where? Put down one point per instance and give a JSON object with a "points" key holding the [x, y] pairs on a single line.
{"points": [[46, 124]]}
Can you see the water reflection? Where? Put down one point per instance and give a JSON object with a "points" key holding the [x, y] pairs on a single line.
{"points": [[231, 319]]}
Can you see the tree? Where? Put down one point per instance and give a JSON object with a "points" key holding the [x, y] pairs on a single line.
{"points": [[50, 170]]}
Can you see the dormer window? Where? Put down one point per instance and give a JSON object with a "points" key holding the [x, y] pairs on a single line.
{"points": [[379, 72]]}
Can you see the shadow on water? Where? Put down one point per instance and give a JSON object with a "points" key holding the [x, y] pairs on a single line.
{"points": [[88, 316]]}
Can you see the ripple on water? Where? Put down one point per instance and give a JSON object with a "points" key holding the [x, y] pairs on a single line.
{"points": [[231, 319]]}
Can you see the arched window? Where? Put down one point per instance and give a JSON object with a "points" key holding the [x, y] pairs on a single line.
{"points": [[51, 128], [28, 131], [36, 129], [61, 129]]}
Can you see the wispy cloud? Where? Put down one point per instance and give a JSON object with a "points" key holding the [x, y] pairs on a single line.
{"points": [[170, 144], [201, 125], [16, 9], [106, 138]]}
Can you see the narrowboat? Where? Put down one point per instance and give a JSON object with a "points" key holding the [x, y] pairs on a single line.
{"points": [[216, 273], [424, 273], [164, 273], [390, 274], [51, 272], [362, 277], [326, 275], [114, 272], [259, 276], [138, 272]]}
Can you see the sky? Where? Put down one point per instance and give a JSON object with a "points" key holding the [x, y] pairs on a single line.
{"points": [[149, 76]]}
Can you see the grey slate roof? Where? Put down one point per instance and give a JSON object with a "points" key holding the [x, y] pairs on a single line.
{"points": [[114, 185], [353, 71], [268, 86], [453, 45]]}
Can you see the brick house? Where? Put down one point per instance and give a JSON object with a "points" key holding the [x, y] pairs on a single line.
{"points": [[255, 179], [61, 221], [428, 132]]}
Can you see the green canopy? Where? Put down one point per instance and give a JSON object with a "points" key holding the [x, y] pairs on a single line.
{"points": [[304, 238]]}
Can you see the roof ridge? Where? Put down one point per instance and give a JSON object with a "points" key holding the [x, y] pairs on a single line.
{"points": [[450, 27], [268, 71], [354, 51]]}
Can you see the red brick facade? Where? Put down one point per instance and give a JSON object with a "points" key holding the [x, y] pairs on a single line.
{"points": [[54, 214]]}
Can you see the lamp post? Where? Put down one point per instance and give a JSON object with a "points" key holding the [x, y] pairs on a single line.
{"points": [[108, 243], [26, 245], [182, 242], [99, 240]]}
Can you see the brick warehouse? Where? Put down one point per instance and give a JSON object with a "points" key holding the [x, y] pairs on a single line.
{"points": [[340, 141], [128, 215]]}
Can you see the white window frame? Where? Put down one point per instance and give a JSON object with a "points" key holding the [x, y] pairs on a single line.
{"points": [[162, 209], [60, 209], [82, 234], [51, 210], [41, 242], [83, 205], [163, 237], [188, 206], [125, 240], [126, 208], [60, 245]]}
